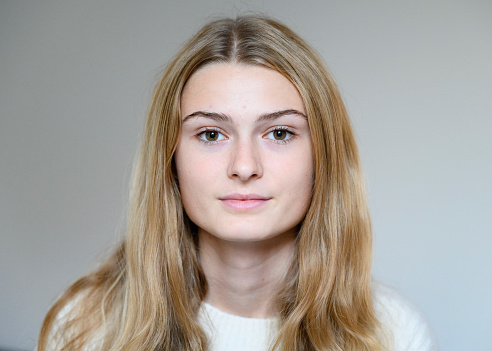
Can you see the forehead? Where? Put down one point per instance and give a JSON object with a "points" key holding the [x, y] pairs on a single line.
{"points": [[239, 88]]}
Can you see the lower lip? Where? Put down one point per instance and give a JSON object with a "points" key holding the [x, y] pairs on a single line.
{"points": [[244, 204]]}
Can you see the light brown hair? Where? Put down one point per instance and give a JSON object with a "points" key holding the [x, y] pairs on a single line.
{"points": [[147, 295]]}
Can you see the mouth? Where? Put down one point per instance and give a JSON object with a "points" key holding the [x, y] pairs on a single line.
{"points": [[244, 201]]}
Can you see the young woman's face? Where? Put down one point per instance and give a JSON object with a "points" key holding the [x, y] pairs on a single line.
{"points": [[244, 158]]}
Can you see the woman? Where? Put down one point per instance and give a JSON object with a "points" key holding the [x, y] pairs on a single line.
{"points": [[248, 225]]}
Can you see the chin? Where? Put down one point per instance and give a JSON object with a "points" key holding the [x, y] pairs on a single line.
{"points": [[252, 235], [242, 236]]}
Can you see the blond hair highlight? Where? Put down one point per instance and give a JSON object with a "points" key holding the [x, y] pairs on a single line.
{"points": [[148, 294]]}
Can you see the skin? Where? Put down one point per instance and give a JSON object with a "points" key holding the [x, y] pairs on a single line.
{"points": [[245, 168]]}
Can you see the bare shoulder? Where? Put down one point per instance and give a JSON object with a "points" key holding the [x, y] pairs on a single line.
{"points": [[403, 323]]}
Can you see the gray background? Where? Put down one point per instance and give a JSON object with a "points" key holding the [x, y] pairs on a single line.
{"points": [[75, 79]]}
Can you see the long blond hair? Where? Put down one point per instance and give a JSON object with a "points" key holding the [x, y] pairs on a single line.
{"points": [[147, 295]]}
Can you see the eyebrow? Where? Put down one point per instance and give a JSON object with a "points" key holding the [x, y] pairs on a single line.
{"points": [[264, 117]]}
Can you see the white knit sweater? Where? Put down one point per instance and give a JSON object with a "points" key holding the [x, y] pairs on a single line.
{"points": [[228, 332]]}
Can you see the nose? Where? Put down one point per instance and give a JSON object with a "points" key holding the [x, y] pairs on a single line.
{"points": [[245, 161]]}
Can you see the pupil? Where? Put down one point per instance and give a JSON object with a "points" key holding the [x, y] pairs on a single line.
{"points": [[211, 136], [280, 134]]}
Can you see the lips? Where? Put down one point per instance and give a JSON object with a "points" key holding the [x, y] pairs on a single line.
{"points": [[244, 201]]}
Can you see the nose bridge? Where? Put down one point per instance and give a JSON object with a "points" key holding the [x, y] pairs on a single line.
{"points": [[245, 161]]}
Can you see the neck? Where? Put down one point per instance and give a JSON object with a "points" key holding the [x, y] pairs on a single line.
{"points": [[243, 278]]}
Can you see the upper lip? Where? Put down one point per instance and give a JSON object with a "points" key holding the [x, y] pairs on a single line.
{"points": [[244, 197]]}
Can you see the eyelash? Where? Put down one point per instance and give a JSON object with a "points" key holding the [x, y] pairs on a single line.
{"points": [[201, 136], [290, 135]]}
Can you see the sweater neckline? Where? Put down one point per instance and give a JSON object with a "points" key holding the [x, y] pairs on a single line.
{"points": [[226, 331], [217, 314]]}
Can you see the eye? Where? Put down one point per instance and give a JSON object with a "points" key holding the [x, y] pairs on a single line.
{"points": [[280, 135], [211, 135]]}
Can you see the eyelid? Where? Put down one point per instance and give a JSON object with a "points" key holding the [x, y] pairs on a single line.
{"points": [[203, 130], [291, 134]]}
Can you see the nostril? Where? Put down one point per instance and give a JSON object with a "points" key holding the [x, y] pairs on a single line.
{"points": [[245, 162], [244, 172]]}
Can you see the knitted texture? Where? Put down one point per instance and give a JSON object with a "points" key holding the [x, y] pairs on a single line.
{"points": [[407, 329]]}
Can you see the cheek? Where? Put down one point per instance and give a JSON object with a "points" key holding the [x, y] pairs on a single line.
{"points": [[303, 187], [190, 191], [195, 176], [297, 169], [294, 178], [186, 176], [303, 182]]}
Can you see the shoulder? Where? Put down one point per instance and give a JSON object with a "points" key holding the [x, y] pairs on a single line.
{"points": [[406, 327], [57, 332], [69, 324]]}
